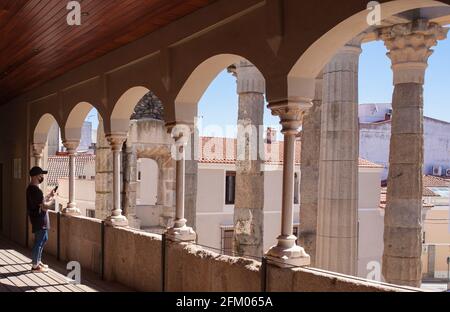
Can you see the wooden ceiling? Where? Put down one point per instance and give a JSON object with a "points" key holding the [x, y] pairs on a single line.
{"points": [[37, 44]]}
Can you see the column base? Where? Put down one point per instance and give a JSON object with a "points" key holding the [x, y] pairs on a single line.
{"points": [[181, 234], [71, 209], [121, 221], [287, 253]]}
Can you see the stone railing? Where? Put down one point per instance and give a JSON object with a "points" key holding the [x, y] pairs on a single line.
{"points": [[134, 259]]}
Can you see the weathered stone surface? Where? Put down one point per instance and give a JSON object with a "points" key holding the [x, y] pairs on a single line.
{"points": [[249, 195], [337, 218], [409, 48], [149, 107]]}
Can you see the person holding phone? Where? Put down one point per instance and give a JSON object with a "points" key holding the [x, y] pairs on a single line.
{"points": [[37, 208]]}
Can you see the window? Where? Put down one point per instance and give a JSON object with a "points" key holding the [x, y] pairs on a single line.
{"points": [[227, 240], [139, 176], [423, 237], [90, 213], [230, 186]]}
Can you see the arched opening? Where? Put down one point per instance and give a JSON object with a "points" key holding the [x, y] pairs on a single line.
{"points": [[374, 120], [225, 95], [80, 127], [148, 192]]}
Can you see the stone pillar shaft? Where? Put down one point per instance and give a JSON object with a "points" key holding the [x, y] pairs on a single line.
{"points": [[409, 48], [309, 185], [249, 199], [337, 216], [180, 232], [287, 220], [37, 153], [116, 218], [71, 146]]}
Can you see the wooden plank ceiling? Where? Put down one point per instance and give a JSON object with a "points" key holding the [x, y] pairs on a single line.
{"points": [[37, 45]]}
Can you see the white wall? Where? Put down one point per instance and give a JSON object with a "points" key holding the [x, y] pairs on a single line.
{"points": [[84, 194], [371, 223], [148, 185], [212, 211], [375, 139]]}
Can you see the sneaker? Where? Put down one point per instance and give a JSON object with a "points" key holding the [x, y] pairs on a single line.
{"points": [[39, 269], [45, 266]]}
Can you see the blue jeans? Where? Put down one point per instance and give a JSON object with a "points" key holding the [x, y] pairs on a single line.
{"points": [[40, 238]]}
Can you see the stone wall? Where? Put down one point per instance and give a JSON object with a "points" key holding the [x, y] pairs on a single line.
{"points": [[133, 258]]}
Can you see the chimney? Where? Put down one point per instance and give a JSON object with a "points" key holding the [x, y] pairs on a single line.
{"points": [[271, 136]]}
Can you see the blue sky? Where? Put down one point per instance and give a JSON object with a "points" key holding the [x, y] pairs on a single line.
{"points": [[218, 106]]}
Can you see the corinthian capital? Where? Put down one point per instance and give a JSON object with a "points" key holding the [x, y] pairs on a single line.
{"points": [[409, 48]]}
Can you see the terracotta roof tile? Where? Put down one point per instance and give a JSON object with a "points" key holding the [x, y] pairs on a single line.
{"points": [[58, 167]]}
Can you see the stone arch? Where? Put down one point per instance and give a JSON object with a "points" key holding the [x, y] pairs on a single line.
{"points": [[197, 83], [42, 128], [301, 77], [124, 107], [75, 120]]}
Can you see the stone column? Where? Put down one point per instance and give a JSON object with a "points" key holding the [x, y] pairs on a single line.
{"points": [[71, 147], [409, 47], [249, 198], [309, 182], [180, 232], [191, 177], [129, 168], [287, 252], [337, 215], [116, 218], [103, 174], [37, 153]]}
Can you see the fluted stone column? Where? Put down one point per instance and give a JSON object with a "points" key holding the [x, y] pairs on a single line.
{"points": [[337, 216], [71, 147], [129, 168], [309, 182], [287, 252], [180, 232], [409, 48], [249, 198], [37, 153], [116, 218]]}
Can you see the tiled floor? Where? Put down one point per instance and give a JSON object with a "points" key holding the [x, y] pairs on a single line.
{"points": [[15, 274]]}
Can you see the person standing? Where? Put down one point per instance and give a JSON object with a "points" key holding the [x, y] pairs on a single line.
{"points": [[37, 208]]}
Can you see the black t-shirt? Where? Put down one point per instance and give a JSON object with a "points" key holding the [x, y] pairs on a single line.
{"points": [[35, 198]]}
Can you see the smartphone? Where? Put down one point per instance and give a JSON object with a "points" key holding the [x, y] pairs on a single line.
{"points": [[55, 189]]}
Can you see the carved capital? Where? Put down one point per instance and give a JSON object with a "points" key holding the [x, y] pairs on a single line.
{"points": [[116, 141], [181, 132], [71, 145], [37, 149], [249, 78], [291, 114], [409, 48]]}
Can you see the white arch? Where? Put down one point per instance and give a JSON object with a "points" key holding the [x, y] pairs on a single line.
{"points": [[42, 128], [302, 76], [75, 121], [120, 117], [197, 83]]}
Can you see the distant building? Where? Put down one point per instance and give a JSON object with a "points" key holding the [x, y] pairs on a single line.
{"points": [[375, 134]]}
